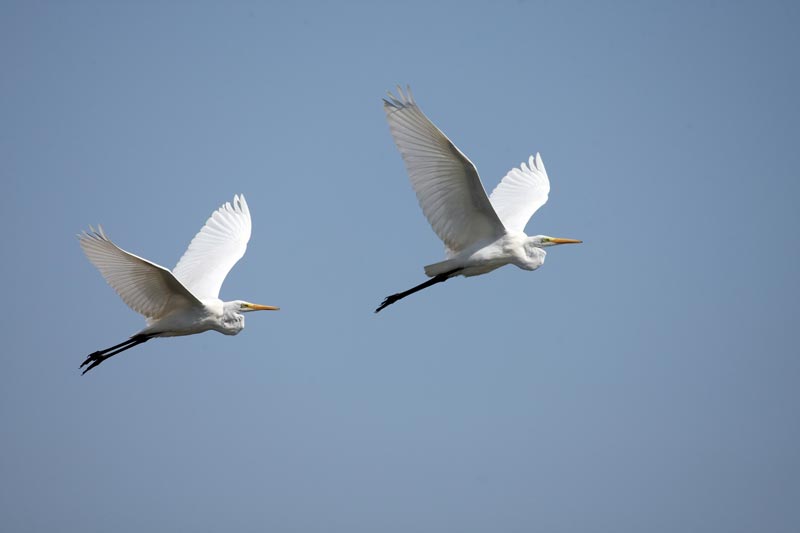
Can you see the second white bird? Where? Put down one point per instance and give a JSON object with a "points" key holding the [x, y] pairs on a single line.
{"points": [[481, 233]]}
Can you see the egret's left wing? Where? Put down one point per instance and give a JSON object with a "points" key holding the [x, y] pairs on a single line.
{"points": [[147, 288], [447, 185], [520, 193], [215, 249]]}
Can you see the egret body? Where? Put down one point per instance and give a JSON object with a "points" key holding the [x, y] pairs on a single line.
{"points": [[186, 300], [481, 233]]}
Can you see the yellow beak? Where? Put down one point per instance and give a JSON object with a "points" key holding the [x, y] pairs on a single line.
{"points": [[257, 307], [565, 241]]}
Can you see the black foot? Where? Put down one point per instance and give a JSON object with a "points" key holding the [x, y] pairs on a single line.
{"points": [[95, 359], [389, 300]]}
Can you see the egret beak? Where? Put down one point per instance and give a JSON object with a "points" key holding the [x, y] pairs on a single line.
{"points": [[555, 240], [257, 307]]}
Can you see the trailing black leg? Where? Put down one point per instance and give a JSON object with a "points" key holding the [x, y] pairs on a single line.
{"points": [[99, 356], [392, 298]]}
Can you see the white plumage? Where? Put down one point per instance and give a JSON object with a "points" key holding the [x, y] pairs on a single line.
{"points": [[480, 232], [147, 288], [215, 249], [521, 193], [446, 182], [186, 300]]}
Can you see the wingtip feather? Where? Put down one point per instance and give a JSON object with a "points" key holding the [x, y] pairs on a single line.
{"points": [[240, 203], [401, 100], [93, 234]]}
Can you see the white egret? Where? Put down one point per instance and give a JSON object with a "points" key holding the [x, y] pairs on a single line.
{"points": [[184, 301], [480, 233]]}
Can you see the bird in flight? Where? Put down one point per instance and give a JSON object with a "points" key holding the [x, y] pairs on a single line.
{"points": [[186, 300], [480, 232]]}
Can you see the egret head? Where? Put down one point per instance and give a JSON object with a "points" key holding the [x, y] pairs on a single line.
{"points": [[232, 321], [541, 241]]}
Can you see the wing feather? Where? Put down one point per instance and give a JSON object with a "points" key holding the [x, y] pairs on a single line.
{"points": [[215, 249], [521, 193], [147, 288], [447, 184]]}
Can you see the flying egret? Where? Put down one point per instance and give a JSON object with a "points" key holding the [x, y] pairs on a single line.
{"points": [[186, 300], [480, 233]]}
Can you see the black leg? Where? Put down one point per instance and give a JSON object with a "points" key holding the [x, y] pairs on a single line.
{"points": [[99, 356], [392, 298]]}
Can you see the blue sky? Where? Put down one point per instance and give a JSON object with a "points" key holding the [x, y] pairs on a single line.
{"points": [[645, 380]]}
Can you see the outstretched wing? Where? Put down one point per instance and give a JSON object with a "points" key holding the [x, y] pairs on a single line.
{"points": [[447, 185], [147, 288], [215, 249], [520, 193]]}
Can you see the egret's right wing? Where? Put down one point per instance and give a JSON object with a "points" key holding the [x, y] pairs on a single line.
{"points": [[147, 288], [520, 193], [215, 249], [447, 185]]}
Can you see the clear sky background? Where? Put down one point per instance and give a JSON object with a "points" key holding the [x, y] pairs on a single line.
{"points": [[646, 380]]}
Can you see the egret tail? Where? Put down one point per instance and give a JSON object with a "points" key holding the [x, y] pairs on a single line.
{"points": [[442, 267], [439, 278], [95, 358]]}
